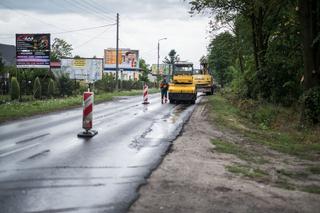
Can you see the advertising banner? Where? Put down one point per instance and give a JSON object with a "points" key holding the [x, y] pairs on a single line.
{"points": [[33, 50], [164, 69], [128, 59], [89, 69]]}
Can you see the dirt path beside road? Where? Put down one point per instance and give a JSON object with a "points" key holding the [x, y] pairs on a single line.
{"points": [[193, 178]]}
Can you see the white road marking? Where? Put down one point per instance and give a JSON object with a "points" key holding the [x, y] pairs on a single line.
{"points": [[18, 150]]}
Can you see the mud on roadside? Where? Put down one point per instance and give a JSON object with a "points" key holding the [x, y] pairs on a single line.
{"points": [[196, 176]]}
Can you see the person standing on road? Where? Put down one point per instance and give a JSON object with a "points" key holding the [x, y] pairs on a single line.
{"points": [[164, 90]]}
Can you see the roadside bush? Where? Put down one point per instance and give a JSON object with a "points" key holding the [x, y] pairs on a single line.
{"points": [[66, 85], [14, 89], [311, 102], [83, 88], [265, 115], [260, 113], [56, 91], [37, 89], [51, 88]]}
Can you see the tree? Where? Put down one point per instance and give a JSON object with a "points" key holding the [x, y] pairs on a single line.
{"points": [[173, 58], [263, 15], [309, 15], [144, 67], [221, 56], [14, 89], [2, 70], [51, 88], [65, 85], [37, 90], [60, 48]]}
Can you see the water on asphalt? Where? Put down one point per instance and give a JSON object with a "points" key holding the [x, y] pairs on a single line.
{"points": [[45, 167]]}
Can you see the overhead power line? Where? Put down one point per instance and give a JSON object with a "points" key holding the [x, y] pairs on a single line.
{"points": [[24, 14], [10, 35], [85, 29], [100, 8], [93, 38], [89, 10]]}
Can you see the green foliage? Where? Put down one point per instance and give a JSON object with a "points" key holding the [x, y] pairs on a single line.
{"points": [[25, 109], [221, 56], [311, 101], [144, 67], [263, 49], [14, 89], [37, 89], [107, 83], [1, 65], [248, 171], [238, 150], [266, 124], [51, 88], [173, 57], [65, 85], [60, 48]]}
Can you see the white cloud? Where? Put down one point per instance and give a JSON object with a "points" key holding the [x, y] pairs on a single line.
{"points": [[142, 23]]}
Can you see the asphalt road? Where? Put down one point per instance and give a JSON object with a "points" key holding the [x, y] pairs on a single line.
{"points": [[45, 167]]}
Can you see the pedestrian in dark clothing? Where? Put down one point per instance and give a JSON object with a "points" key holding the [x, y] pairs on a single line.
{"points": [[164, 86]]}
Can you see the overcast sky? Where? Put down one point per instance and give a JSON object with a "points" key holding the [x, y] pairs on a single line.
{"points": [[142, 23]]}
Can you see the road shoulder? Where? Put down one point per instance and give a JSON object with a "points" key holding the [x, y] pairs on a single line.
{"points": [[193, 178]]}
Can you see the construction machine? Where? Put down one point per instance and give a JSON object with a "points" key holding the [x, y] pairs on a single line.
{"points": [[203, 79], [182, 87]]}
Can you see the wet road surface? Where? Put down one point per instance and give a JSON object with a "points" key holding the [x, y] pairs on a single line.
{"points": [[45, 167]]}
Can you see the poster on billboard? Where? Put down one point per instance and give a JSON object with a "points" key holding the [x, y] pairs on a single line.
{"points": [[128, 59], [89, 69], [33, 50], [164, 69]]}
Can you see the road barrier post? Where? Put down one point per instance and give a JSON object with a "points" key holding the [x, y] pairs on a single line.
{"points": [[87, 116], [145, 94]]}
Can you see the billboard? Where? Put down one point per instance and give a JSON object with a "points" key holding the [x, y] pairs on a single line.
{"points": [[164, 69], [33, 50], [128, 59], [89, 69]]}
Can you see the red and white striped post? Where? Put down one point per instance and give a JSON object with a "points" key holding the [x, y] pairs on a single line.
{"points": [[145, 94], [87, 116]]}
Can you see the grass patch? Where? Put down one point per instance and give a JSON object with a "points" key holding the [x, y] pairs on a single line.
{"points": [[248, 171], [284, 184], [314, 169], [263, 125], [294, 174], [235, 149], [14, 110], [311, 189]]}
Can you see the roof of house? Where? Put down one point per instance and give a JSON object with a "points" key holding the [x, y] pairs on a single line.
{"points": [[8, 54]]}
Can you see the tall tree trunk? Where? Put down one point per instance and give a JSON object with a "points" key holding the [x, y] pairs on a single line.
{"points": [[310, 49], [241, 61], [254, 41], [310, 31]]}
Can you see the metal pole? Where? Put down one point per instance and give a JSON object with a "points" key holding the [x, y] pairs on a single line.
{"points": [[158, 58], [117, 53], [158, 66]]}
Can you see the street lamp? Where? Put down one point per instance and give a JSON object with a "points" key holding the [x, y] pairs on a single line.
{"points": [[159, 53]]}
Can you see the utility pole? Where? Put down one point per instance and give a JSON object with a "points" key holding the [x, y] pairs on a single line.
{"points": [[158, 66], [117, 54], [158, 57]]}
